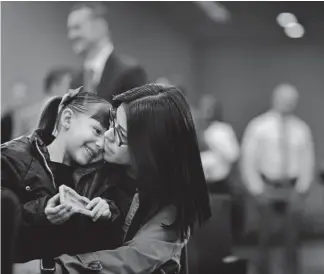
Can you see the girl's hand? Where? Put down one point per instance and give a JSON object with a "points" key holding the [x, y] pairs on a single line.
{"points": [[57, 213], [99, 209]]}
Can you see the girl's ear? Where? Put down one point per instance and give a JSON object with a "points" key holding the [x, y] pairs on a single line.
{"points": [[66, 118]]}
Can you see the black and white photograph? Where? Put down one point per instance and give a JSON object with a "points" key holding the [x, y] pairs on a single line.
{"points": [[162, 137]]}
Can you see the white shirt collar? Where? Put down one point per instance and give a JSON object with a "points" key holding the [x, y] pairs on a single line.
{"points": [[98, 62]]}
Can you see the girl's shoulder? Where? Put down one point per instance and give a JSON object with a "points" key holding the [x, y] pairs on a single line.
{"points": [[19, 147], [17, 154]]}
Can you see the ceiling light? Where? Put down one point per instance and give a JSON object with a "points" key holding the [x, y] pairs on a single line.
{"points": [[286, 18], [214, 10], [294, 30]]}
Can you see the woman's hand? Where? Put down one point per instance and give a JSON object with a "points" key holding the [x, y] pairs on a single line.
{"points": [[99, 209], [31, 267], [58, 213]]}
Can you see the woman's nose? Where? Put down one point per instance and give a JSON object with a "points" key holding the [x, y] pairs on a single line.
{"points": [[109, 135], [100, 142]]}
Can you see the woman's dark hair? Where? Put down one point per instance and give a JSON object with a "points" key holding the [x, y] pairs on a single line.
{"points": [[163, 145], [82, 102]]}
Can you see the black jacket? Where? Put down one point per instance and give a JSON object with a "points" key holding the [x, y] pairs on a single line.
{"points": [[117, 260], [119, 75], [25, 171]]}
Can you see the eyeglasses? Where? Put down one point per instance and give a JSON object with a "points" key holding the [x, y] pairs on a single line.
{"points": [[119, 132]]}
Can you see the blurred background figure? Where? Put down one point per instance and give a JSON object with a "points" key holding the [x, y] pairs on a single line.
{"points": [[277, 168], [56, 83], [219, 153], [104, 71], [10, 114], [219, 145]]}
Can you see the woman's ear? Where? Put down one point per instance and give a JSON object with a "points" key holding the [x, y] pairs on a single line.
{"points": [[66, 118]]}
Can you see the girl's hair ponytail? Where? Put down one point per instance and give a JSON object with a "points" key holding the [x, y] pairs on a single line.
{"points": [[47, 120], [78, 101]]}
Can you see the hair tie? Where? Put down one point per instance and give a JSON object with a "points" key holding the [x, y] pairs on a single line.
{"points": [[68, 97]]}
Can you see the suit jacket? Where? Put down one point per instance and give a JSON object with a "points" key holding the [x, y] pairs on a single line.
{"points": [[119, 75]]}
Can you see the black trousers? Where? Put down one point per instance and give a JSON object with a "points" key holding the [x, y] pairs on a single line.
{"points": [[226, 187], [10, 218], [290, 210]]}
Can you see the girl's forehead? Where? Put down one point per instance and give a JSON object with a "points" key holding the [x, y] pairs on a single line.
{"points": [[100, 115]]}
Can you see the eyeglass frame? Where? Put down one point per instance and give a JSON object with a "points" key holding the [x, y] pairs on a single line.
{"points": [[112, 118]]}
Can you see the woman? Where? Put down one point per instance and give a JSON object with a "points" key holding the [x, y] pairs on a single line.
{"points": [[152, 137], [219, 156], [36, 167]]}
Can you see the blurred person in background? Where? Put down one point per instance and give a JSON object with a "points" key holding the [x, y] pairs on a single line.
{"points": [[277, 168], [56, 83], [10, 114], [220, 146], [321, 172], [219, 151], [104, 71]]}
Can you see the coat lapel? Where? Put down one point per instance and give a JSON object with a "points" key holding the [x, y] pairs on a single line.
{"points": [[107, 77]]}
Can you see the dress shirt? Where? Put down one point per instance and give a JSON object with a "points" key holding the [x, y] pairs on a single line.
{"points": [[262, 151], [98, 62], [223, 151]]}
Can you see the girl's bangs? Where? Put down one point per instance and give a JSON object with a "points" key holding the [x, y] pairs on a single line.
{"points": [[101, 113]]}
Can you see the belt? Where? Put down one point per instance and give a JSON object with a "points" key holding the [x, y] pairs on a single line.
{"points": [[279, 183]]}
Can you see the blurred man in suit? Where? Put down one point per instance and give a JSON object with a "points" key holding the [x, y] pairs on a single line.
{"points": [[278, 169], [104, 71]]}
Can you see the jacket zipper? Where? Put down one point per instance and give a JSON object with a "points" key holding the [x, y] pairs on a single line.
{"points": [[47, 167], [130, 214]]}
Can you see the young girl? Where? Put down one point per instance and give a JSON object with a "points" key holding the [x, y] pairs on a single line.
{"points": [[38, 166]]}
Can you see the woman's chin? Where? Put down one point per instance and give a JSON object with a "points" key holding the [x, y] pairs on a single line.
{"points": [[96, 159], [107, 158]]}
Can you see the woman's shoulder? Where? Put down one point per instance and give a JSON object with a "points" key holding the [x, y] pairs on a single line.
{"points": [[166, 215]]}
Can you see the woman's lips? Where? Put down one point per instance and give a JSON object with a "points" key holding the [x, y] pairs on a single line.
{"points": [[109, 150]]}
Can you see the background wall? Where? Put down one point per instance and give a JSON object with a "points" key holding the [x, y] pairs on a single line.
{"points": [[33, 40], [245, 76]]}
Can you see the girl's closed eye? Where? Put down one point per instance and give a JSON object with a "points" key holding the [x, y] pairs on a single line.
{"points": [[98, 131]]}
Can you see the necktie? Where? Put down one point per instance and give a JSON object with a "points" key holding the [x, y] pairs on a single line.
{"points": [[89, 84], [284, 148]]}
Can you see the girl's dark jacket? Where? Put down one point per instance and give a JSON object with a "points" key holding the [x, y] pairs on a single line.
{"points": [[25, 170]]}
